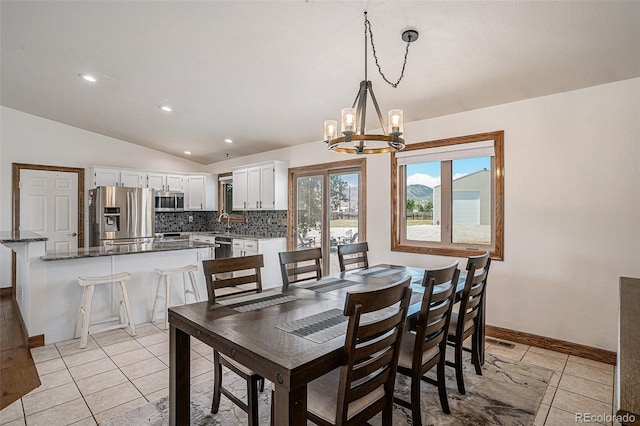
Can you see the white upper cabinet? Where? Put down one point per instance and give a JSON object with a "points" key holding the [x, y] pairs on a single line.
{"points": [[261, 186], [200, 190], [195, 193], [133, 179], [239, 196], [106, 177], [175, 183], [156, 181]]}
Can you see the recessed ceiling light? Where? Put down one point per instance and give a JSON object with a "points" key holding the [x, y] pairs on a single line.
{"points": [[188, 152], [166, 108], [89, 78], [228, 140]]}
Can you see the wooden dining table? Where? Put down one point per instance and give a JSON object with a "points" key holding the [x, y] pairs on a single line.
{"points": [[278, 334]]}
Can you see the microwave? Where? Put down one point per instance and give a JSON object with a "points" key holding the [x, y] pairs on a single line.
{"points": [[169, 201]]}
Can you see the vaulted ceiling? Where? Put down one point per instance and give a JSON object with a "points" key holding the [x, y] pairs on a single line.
{"points": [[266, 74]]}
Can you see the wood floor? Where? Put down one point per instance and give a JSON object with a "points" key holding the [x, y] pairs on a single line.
{"points": [[18, 375]]}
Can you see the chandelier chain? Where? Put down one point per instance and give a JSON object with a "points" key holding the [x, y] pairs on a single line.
{"points": [[367, 27]]}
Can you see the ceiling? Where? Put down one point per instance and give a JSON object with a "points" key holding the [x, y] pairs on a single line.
{"points": [[268, 73]]}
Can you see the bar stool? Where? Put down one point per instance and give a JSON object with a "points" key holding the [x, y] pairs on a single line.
{"points": [[84, 316], [166, 274]]}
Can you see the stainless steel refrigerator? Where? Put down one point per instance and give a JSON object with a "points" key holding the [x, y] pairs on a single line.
{"points": [[119, 215]]}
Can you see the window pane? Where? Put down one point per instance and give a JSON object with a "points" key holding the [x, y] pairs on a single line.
{"points": [[472, 201], [343, 223], [309, 212], [422, 201]]}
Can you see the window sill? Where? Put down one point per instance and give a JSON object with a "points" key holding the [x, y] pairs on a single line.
{"points": [[445, 251]]}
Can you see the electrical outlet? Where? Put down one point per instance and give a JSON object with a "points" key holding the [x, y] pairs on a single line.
{"points": [[190, 219], [22, 295]]}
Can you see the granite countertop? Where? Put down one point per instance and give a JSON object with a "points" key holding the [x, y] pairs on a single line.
{"points": [[121, 249], [20, 237]]}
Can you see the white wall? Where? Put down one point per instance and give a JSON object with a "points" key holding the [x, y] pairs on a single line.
{"points": [[25, 138], [572, 207]]}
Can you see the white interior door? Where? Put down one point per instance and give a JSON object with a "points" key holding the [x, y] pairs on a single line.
{"points": [[49, 206]]}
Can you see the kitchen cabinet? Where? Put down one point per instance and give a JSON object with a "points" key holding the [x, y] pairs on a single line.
{"points": [[200, 190], [156, 181], [209, 239], [269, 249], [175, 183], [196, 193], [261, 186]]}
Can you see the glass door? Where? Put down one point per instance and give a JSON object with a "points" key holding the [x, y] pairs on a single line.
{"points": [[328, 212]]}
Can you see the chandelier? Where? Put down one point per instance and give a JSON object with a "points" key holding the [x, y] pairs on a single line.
{"points": [[354, 137]]}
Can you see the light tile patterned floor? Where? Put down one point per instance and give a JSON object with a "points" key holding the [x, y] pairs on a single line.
{"points": [[116, 373]]}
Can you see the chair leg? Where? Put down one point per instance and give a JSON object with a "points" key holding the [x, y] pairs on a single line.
{"points": [[475, 353], [127, 308], [217, 382], [81, 313], [458, 365], [415, 400], [86, 318], [387, 412], [167, 302], [252, 400], [155, 302], [194, 285], [442, 387]]}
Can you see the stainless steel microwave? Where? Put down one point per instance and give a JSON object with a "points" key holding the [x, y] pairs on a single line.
{"points": [[169, 201]]}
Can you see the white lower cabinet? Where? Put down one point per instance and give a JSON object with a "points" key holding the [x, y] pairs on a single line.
{"points": [[269, 249], [209, 239]]}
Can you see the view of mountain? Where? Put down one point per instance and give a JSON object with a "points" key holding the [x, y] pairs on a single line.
{"points": [[419, 193]]}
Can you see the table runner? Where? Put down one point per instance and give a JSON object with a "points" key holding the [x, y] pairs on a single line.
{"points": [[318, 328], [377, 272], [327, 284], [257, 301]]}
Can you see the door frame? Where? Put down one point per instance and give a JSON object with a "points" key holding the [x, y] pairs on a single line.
{"points": [[332, 167], [15, 204]]}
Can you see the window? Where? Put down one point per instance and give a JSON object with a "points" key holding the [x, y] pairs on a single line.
{"points": [[448, 196], [225, 198]]}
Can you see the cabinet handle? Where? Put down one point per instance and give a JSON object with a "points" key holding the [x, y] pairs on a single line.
{"points": [[256, 204], [245, 204], [260, 204], [200, 206]]}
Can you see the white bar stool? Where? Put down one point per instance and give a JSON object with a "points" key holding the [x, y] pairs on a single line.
{"points": [[84, 316], [166, 274]]}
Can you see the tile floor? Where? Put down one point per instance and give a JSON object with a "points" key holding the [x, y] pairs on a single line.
{"points": [[116, 373]]}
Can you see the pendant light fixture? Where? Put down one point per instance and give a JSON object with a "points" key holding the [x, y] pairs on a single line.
{"points": [[354, 139]]}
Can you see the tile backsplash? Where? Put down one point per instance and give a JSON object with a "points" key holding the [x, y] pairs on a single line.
{"points": [[265, 223]]}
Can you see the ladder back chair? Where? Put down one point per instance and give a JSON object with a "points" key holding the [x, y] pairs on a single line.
{"points": [[363, 385], [293, 272], [353, 254], [467, 321], [245, 265], [427, 347]]}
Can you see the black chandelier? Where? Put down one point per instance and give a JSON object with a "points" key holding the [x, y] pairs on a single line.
{"points": [[354, 138]]}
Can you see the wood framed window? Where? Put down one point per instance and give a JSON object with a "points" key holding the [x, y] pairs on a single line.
{"points": [[225, 198], [448, 196]]}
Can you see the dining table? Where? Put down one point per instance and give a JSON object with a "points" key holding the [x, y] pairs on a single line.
{"points": [[290, 337]]}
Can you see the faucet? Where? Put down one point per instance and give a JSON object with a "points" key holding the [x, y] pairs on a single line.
{"points": [[228, 219]]}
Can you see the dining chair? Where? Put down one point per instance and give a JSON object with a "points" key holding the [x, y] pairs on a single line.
{"points": [[363, 386], [349, 254], [248, 267], [466, 322], [293, 272], [427, 347]]}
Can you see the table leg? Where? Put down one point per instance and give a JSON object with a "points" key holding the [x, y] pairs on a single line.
{"points": [[179, 377], [290, 406], [481, 332]]}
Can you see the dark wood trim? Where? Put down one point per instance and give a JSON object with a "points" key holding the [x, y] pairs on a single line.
{"points": [[15, 202], [498, 178], [35, 341], [6, 291], [323, 167], [588, 352]]}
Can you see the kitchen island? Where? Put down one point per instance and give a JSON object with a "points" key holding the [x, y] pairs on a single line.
{"points": [[49, 295]]}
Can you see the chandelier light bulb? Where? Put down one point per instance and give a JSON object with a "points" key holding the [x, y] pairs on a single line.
{"points": [[330, 129], [349, 121], [396, 122]]}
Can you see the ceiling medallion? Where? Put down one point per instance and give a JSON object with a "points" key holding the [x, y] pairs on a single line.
{"points": [[354, 138]]}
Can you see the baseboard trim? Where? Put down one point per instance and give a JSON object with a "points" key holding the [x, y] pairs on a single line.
{"points": [[6, 291], [35, 341], [556, 345]]}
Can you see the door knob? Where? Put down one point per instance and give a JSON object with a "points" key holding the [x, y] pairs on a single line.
{"points": [[72, 235]]}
